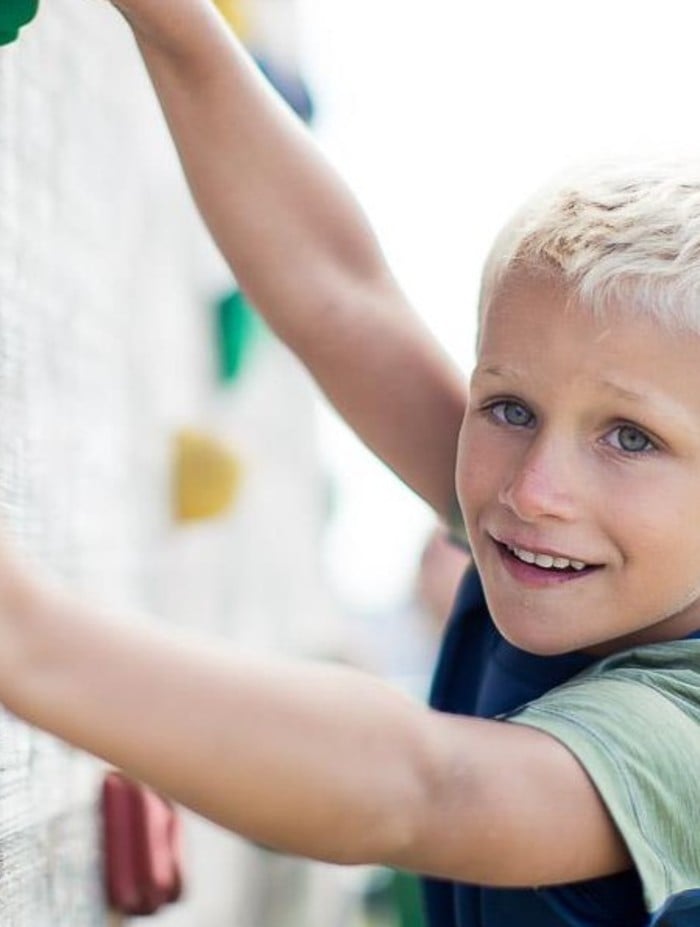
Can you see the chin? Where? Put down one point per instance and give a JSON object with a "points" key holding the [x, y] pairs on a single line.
{"points": [[539, 641]]}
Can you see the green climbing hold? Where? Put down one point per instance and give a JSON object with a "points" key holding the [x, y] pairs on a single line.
{"points": [[238, 327], [13, 15]]}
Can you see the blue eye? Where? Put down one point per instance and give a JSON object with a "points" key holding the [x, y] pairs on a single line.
{"points": [[512, 413], [631, 440]]}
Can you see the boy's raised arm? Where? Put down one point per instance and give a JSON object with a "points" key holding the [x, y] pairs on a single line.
{"points": [[299, 245], [310, 759]]}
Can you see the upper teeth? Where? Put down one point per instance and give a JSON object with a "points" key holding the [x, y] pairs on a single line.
{"points": [[546, 560]]}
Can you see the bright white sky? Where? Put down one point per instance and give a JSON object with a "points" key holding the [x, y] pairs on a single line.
{"points": [[443, 116]]}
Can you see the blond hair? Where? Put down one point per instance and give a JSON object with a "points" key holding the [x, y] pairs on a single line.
{"points": [[627, 237]]}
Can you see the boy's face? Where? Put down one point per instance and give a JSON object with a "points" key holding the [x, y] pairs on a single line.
{"points": [[581, 445]]}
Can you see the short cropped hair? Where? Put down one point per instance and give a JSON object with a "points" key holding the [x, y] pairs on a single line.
{"points": [[627, 236]]}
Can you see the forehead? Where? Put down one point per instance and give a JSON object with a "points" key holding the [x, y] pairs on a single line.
{"points": [[535, 329]]}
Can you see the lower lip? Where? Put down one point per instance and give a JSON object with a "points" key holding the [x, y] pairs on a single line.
{"points": [[536, 577]]}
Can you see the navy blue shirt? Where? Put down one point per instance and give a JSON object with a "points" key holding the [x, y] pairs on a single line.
{"points": [[479, 673]]}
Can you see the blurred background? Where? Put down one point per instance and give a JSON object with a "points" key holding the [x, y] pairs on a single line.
{"points": [[444, 117], [160, 451]]}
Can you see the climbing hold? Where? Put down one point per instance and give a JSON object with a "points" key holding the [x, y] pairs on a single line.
{"points": [[208, 476], [234, 13], [238, 326], [290, 87], [13, 15], [143, 846]]}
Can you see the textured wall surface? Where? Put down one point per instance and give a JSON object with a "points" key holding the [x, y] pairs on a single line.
{"points": [[106, 279]]}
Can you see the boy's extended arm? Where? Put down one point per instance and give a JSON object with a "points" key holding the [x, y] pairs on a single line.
{"points": [[299, 244], [310, 759]]}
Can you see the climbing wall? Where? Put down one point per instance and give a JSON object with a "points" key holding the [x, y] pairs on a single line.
{"points": [[108, 294]]}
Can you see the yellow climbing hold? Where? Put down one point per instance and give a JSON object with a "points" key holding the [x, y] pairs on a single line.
{"points": [[208, 476], [234, 13]]}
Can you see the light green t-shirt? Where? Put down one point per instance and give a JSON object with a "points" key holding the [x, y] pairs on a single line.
{"points": [[633, 722]]}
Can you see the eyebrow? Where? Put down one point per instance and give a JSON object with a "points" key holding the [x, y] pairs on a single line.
{"points": [[625, 393], [656, 404], [497, 370], [508, 373]]}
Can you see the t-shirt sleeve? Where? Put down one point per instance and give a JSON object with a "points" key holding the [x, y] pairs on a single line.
{"points": [[636, 732]]}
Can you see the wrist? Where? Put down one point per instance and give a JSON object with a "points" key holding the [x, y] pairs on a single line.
{"points": [[171, 29], [25, 601]]}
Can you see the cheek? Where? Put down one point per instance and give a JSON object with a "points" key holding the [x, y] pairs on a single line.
{"points": [[656, 528], [657, 517], [478, 470]]}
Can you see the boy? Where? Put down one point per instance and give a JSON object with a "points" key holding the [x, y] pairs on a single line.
{"points": [[577, 468]]}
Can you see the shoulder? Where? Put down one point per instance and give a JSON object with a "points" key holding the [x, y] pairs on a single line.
{"points": [[632, 722], [595, 776]]}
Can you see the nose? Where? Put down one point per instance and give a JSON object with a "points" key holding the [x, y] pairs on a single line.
{"points": [[543, 483]]}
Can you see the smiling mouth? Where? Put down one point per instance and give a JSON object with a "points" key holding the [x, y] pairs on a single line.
{"points": [[544, 565]]}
